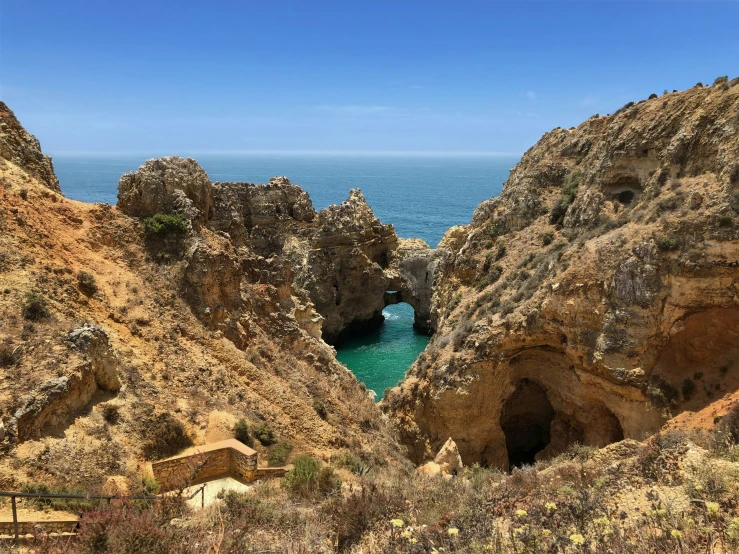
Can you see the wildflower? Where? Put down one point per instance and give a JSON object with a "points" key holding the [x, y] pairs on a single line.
{"points": [[712, 508], [406, 534], [546, 533], [397, 523], [453, 531], [518, 530], [413, 540], [521, 513], [578, 539], [550, 506], [677, 535]]}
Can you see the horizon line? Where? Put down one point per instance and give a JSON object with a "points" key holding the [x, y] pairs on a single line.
{"points": [[358, 153]]}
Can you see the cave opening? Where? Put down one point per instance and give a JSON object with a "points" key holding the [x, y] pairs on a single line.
{"points": [[526, 422]]}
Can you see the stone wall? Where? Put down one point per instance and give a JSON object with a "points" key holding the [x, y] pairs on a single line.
{"points": [[36, 528], [224, 458]]}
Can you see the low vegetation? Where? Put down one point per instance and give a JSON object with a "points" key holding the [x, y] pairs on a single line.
{"points": [[164, 225], [35, 307]]}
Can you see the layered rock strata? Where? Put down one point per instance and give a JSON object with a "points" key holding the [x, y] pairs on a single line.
{"points": [[595, 296]]}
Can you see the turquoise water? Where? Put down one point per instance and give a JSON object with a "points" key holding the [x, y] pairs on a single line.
{"points": [[422, 196], [381, 358]]}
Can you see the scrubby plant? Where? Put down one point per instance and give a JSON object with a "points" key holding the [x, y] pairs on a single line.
{"points": [[688, 389], [149, 485], [165, 225], [35, 307], [111, 413], [10, 355], [241, 431], [164, 435], [725, 221], [721, 80], [667, 244], [279, 453], [86, 282], [264, 435], [569, 193], [320, 407], [547, 238], [309, 479], [68, 504]]}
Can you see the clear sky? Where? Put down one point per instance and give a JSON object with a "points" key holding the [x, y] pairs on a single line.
{"points": [[162, 77]]}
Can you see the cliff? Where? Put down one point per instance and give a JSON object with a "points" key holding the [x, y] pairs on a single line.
{"points": [[596, 296], [124, 340]]}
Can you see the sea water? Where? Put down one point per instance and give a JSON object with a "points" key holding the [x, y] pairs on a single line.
{"points": [[422, 196]]}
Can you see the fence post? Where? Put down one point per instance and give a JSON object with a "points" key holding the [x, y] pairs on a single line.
{"points": [[15, 518], [202, 496]]}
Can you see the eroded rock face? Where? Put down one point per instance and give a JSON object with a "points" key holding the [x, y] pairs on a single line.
{"points": [[576, 306], [20, 147], [343, 258], [55, 401], [167, 185]]}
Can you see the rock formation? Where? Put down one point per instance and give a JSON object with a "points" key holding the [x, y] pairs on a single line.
{"points": [[21, 148], [209, 321], [167, 185], [342, 258], [595, 296]]}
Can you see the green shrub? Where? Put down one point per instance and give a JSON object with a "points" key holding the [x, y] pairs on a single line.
{"points": [[501, 251], [721, 80], [86, 282], [547, 238], [67, 504], [264, 435], [35, 307], [725, 221], [569, 193], [164, 225], [320, 408], [241, 431], [667, 244], [308, 479], [279, 453], [149, 485], [688, 389]]}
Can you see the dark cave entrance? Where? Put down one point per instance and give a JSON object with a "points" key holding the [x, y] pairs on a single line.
{"points": [[526, 421]]}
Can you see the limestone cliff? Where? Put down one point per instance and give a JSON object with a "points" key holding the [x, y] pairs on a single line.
{"points": [[18, 147], [119, 346], [596, 296]]}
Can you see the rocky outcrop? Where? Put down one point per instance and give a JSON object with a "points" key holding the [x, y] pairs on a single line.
{"points": [[167, 185], [576, 306], [343, 258], [21, 148], [55, 401]]}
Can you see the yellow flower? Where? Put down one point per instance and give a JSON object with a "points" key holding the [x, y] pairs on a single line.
{"points": [[676, 534], [518, 530], [550, 506], [413, 540], [712, 508], [453, 531], [521, 513], [406, 534], [577, 539], [546, 532], [397, 523]]}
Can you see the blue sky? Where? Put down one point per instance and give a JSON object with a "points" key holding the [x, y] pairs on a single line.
{"points": [[185, 77]]}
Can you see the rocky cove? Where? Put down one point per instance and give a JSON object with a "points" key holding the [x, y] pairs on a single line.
{"points": [[593, 301]]}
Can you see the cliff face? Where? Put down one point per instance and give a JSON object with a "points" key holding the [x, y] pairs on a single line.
{"points": [[20, 148], [119, 347], [342, 260], [595, 296]]}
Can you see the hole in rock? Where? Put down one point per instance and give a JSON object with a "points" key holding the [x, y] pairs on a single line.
{"points": [[624, 189], [526, 422]]}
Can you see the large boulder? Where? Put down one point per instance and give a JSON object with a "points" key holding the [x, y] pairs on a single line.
{"points": [[167, 185]]}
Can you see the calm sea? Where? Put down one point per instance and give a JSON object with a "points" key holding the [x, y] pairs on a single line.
{"points": [[422, 196]]}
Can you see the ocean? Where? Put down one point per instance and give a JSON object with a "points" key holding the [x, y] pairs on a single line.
{"points": [[422, 196]]}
